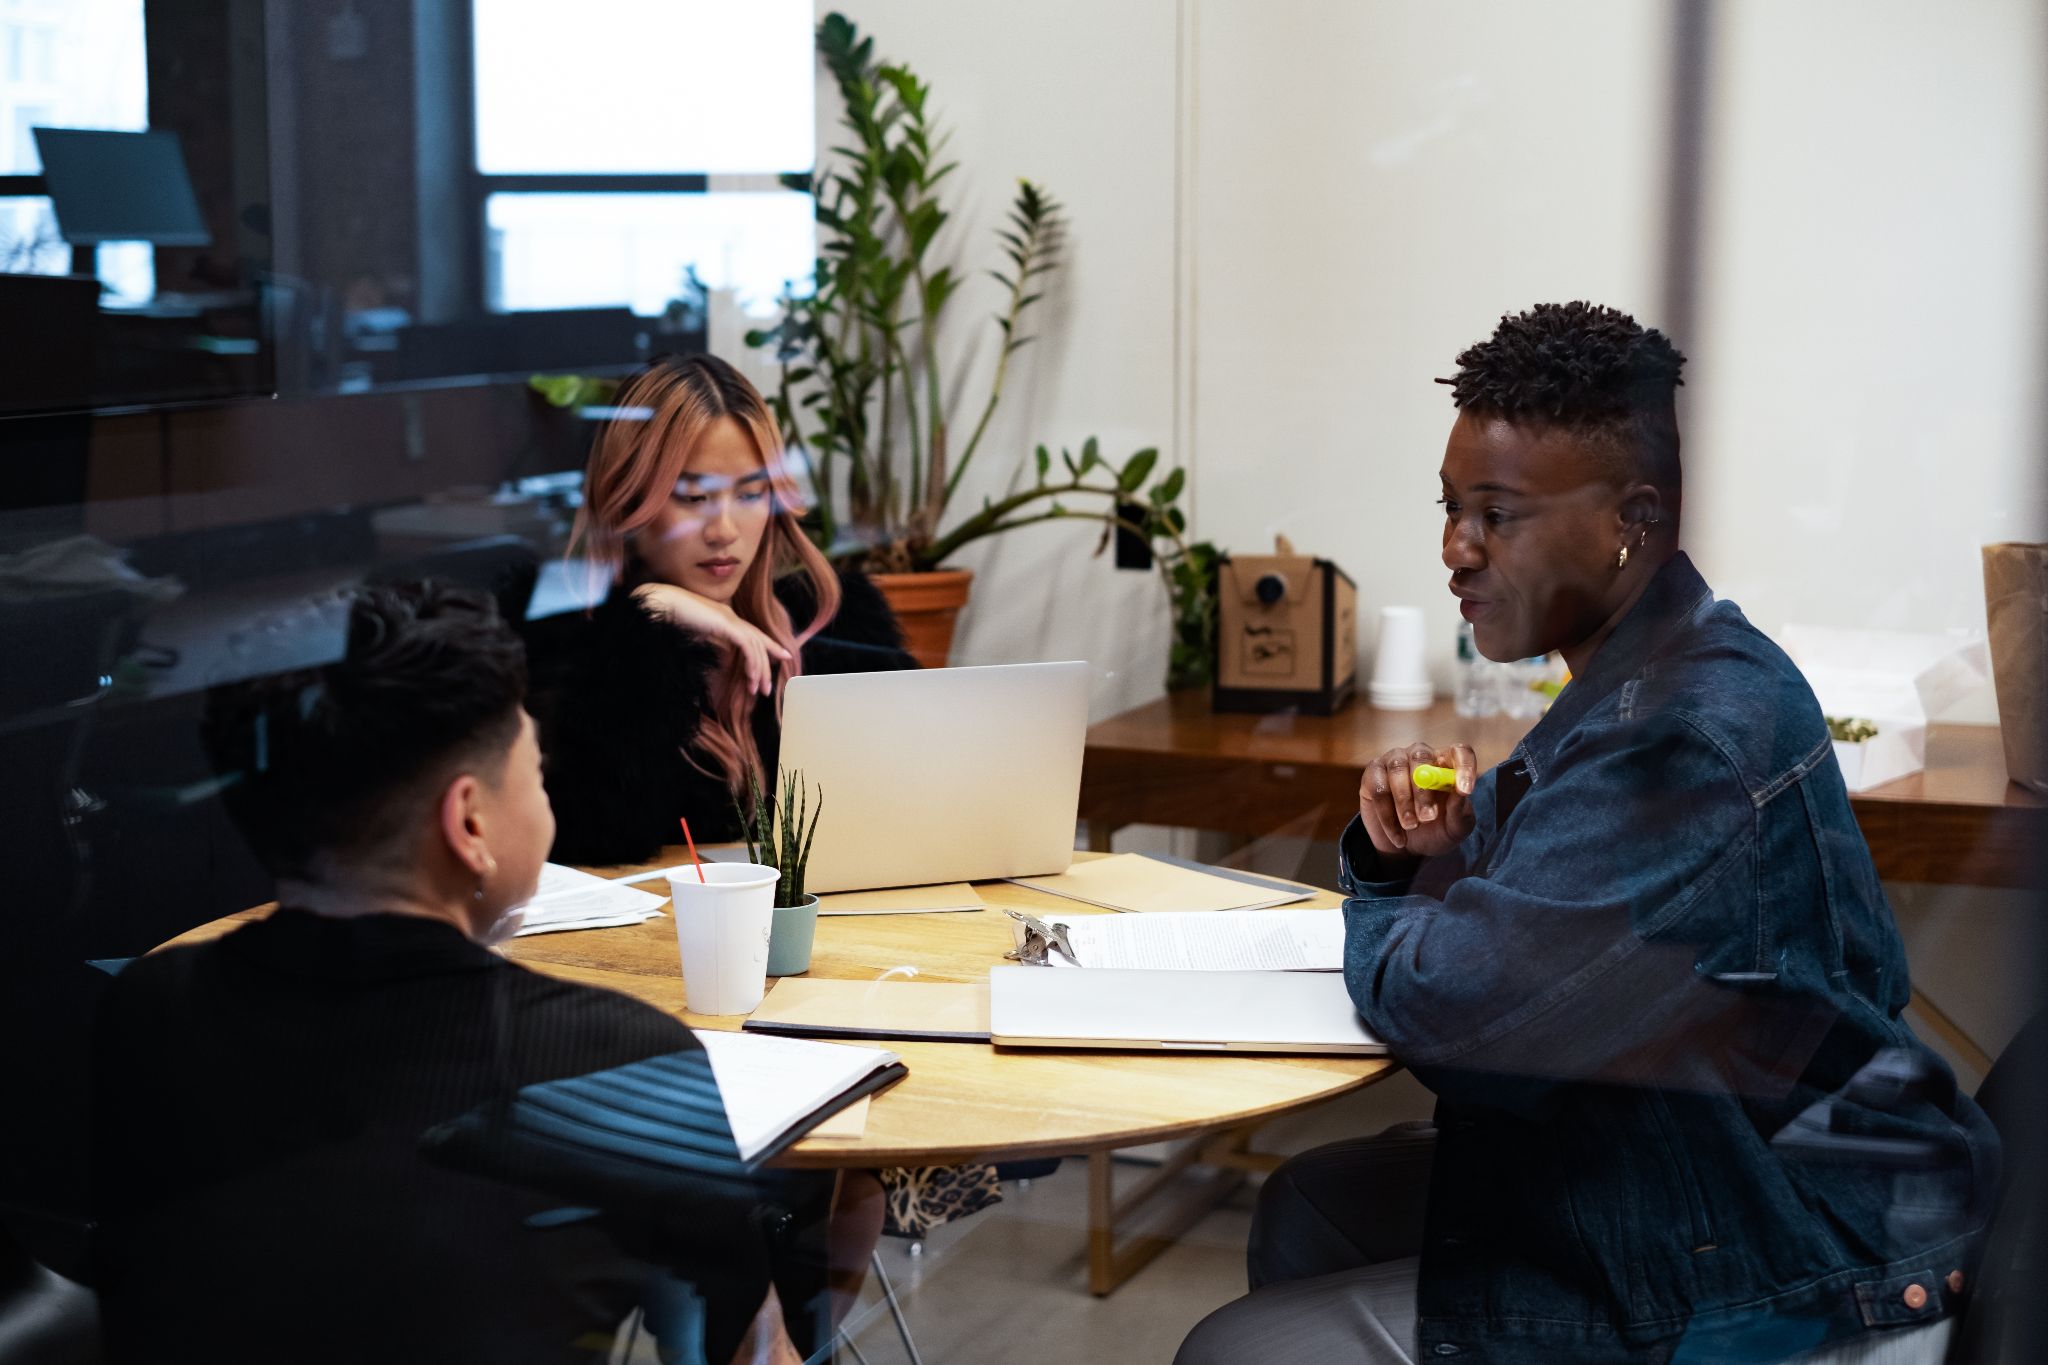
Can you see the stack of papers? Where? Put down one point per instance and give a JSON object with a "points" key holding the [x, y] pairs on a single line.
{"points": [[1234, 941], [1133, 881], [777, 1089], [568, 899], [1176, 1011]]}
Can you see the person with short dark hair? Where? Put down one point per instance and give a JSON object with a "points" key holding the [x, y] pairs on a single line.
{"points": [[1645, 963], [273, 1107]]}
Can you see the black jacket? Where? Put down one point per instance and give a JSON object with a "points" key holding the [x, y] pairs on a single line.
{"points": [[619, 695], [264, 1184]]}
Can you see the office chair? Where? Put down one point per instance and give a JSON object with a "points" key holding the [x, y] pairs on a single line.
{"points": [[43, 1316], [2004, 1318]]}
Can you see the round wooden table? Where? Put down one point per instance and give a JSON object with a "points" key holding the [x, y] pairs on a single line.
{"points": [[970, 1102]]}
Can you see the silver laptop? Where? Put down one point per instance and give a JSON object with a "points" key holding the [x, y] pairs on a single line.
{"points": [[1175, 1011], [941, 774]]}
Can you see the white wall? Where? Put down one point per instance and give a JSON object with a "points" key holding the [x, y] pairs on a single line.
{"points": [[1290, 215], [1375, 185], [1868, 390]]}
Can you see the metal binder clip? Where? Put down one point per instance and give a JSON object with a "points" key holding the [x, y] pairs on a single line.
{"points": [[1039, 939]]}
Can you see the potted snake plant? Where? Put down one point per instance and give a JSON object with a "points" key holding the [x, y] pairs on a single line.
{"points": [[779, 828]]}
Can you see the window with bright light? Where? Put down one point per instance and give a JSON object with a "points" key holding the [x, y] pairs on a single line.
{"points": [[70, 64], [585, 250], [644, 87], [595, 141]]}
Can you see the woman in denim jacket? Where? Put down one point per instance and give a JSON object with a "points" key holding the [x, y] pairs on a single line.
{"points": [[1645, 964]]}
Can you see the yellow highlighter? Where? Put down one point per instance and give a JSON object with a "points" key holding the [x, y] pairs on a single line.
{"points": [[1431, 778]]}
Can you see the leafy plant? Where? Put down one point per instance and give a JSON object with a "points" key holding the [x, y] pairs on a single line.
{"points": [[779, 828], [1848, 730], [862, 387], [1191, 587]]}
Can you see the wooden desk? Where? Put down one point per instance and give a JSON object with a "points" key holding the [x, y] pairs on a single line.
{"points": [[1174, 762], [967, 1102]]}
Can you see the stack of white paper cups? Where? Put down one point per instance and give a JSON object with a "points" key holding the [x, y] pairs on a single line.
{"points": [[722, 928], [1400, 674]]}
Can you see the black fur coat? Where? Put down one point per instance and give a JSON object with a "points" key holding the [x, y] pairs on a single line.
{"points": [[619, 695]]}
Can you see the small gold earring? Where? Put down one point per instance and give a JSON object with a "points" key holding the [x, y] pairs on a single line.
{"points": [[1621, 560]]}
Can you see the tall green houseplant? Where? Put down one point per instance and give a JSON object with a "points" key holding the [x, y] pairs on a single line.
{"points": [[863, 385]]}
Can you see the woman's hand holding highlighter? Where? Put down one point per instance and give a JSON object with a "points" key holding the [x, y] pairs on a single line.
{"points": [[1415, 802]]}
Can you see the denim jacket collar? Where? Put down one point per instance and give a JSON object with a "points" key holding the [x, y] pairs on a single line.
{"points": [[1674, 594]]}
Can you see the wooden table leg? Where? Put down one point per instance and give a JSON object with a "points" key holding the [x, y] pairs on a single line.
{"points": [[1229, 1155]]}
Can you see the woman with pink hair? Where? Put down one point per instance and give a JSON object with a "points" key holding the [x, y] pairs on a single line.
{"points": [[665, 700]]}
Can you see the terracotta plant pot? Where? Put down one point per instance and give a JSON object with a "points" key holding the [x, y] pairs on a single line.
{"points": [[927, 605]]}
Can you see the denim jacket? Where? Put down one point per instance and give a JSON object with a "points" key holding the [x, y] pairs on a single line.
{"points": [[1663, 942]]}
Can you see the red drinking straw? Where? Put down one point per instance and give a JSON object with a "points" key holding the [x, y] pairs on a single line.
{"points": [[693, 848]]}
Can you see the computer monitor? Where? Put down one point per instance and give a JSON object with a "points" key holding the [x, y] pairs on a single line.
{"points": [[120, 187]]}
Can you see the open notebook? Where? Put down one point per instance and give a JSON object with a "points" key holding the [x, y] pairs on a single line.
{"points": [[777, 1089], [1176, 1011], [1210, 941]]}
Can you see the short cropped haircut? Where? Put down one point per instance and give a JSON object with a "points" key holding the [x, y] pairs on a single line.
{"points": [[1592, 370], [345, 759]]}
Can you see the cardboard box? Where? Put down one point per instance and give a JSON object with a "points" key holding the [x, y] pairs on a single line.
{"points": [[1286, 635], [1895, 680], [2016, 613]]}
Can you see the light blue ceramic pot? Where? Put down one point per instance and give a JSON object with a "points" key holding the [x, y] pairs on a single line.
{"points": [[789, 943]]}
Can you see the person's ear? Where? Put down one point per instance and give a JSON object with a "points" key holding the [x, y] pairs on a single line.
{"points": [[462, 824], [1642, 507]]}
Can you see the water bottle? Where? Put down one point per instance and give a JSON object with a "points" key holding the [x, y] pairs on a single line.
{"points": [[1475, 695], [1522, 683]]}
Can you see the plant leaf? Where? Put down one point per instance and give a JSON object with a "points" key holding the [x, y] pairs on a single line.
{"points": [[1135, 470]]}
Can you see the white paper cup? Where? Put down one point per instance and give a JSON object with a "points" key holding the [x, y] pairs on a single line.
{"points": [[722, 929], [1400, 674]]}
